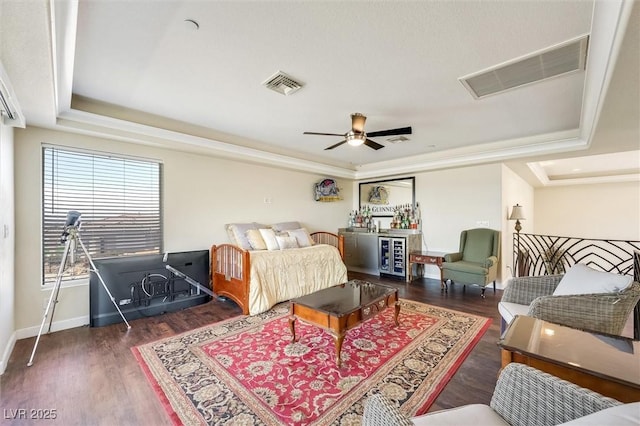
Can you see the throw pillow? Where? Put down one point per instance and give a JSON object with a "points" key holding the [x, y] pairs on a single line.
{"points": [[255, 239], [286, 242], [580, 279], [302, 237], [269, 238], [285, 226], [237, 233]]}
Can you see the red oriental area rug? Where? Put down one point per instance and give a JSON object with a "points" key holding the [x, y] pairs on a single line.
{"points": [[247, 371]]}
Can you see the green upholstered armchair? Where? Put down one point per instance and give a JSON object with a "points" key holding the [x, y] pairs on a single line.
{"points": [[477, 261]]}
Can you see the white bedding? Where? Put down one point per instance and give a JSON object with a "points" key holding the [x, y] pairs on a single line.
{"points": [[279, 275]]}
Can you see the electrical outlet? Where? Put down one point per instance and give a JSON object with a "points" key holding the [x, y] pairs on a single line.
{"points": [[268, 200], [482, 223]]}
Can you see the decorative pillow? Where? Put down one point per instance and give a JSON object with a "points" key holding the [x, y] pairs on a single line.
{"points": [[255, 239], [286, 242], [285, 226], [269, 238], [237, 233], [580, 279], [302, 237]]}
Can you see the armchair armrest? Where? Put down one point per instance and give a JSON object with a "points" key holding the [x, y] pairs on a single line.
{"points": [[524, 395], [603, 313], [524, 290], [453, 257], [491, 260], [381, 411]]}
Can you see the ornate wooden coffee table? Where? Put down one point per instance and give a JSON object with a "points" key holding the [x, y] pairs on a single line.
{"points": [[340, 308]]}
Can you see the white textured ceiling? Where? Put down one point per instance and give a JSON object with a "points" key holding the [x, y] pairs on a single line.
{"points": [[397, 62]]}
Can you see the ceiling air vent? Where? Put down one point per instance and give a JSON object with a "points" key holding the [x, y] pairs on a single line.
{"points": [[282, 83], [557, 60]]}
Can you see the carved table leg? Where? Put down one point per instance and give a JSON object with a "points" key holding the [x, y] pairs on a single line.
{"points": [[397, 312], [292, 326], [339, 339]]}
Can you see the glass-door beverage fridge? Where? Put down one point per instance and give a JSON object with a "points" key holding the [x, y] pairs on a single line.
{"points": [[392, 256]]}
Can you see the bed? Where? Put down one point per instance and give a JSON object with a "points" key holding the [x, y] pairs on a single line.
{"points": [[256, 280]]}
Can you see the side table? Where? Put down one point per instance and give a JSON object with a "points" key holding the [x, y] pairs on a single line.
{"points": [[422, 258], [609, 365]]}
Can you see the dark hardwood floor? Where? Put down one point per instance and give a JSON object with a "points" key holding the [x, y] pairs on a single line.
{"points": [[90, 377]]}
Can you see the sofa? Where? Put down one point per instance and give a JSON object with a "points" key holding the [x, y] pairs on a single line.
{"points": [[523, 396], [582, 298]]}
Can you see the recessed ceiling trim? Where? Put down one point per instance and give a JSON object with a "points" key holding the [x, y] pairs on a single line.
{"points": [[555, 61]]}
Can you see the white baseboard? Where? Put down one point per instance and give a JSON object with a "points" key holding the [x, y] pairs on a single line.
{"points": [[7, 353], [24, 333]]}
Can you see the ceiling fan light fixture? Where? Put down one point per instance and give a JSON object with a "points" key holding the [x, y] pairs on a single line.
{"points": [[356, 139]]}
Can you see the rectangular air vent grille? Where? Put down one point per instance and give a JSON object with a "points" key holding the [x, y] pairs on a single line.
{"points": [[282, 83], [555, 61]]}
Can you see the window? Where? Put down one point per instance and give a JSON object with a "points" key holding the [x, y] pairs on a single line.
{"points": [[119, 199]]}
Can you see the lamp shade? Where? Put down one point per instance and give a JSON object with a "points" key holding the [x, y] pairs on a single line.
{"points": [[517, 213]]}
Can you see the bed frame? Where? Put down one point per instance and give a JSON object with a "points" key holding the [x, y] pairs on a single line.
{"points": [[230, 266]]}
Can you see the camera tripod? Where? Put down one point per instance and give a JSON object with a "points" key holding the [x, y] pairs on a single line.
{"points": [[70, 236]]}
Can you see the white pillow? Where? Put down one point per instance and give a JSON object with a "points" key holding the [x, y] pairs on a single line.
{"points": [[580, 279], [302, 236], [285, 242], [269, 238]]}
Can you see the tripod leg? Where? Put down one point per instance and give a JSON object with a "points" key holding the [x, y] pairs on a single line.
{"points": [[53, 299], [94, 269]]}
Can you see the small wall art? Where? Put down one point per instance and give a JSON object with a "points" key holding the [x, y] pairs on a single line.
{"points": [[326, 191]]}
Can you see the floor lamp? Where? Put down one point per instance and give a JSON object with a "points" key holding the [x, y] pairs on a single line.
{"points": [[517, 214]]}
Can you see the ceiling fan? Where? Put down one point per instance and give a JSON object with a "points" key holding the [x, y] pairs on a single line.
{"points": [[356, 136]]}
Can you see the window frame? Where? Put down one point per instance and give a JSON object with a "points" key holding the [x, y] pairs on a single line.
{"points": [[48, 280]]}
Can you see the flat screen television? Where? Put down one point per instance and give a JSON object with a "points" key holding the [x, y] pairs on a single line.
{"points": [[142, 286]]}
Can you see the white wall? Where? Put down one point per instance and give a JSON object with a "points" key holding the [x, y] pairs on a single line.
{"points": [[515, 190], [201, 194], [599, 211], [7, 241], [452, 201]]}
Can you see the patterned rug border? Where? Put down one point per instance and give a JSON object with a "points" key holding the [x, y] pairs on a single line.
{"points": [[415, 405]]}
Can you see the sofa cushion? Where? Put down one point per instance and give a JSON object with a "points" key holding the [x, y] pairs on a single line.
{"points": [[509, 310], [473, 414], [620, 415], [581, 279]]}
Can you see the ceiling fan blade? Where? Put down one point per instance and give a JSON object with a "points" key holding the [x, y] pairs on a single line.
{"points": [[336, 145], [391, 132], [323, 134], [372, 144]]}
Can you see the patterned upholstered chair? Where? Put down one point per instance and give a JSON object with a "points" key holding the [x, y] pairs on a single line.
{"points": [[587, 304], [523, 396], [476, 263]]}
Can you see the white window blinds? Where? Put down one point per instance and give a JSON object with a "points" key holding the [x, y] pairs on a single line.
{"points": [[120, 203]]}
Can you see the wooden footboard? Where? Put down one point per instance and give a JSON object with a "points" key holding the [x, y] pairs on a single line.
{"points": [[231, 266]]}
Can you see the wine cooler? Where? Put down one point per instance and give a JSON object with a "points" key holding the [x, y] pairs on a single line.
{"points": [[392, 257]]}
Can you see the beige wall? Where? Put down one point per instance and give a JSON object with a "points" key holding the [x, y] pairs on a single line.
{"points": [[600, 211], [7, 241], [201, 194]]}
